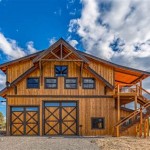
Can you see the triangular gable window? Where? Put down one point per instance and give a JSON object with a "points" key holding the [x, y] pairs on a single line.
{"points": [[61, 71]]}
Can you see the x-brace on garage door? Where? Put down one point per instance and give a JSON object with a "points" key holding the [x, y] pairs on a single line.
{"points": [[24, 121], [60, 118]]}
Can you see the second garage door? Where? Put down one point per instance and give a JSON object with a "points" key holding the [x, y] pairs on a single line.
{"points": [[60, 118]]}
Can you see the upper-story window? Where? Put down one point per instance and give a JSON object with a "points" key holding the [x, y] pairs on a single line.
{"points": [[71, 83], [50, 83], [88, 83], [33, 83], [61, 71]]}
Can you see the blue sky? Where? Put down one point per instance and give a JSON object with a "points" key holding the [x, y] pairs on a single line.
{"points": [[36, 20], [116, 30]]}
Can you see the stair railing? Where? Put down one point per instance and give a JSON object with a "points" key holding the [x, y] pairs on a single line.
{"points": [[132, 118]]}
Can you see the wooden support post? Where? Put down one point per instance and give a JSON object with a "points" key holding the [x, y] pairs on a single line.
{"points": [[147, 126], [135, 103], [118, 111], [118, 104], [81, 72], [141, 122], [140, 91], [41, 72]]}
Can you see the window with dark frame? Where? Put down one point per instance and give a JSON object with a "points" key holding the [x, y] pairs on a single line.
{"points": [[61, 71], [50, 83], [32, 83], [71, 83], [98, 123], [88, 83]]}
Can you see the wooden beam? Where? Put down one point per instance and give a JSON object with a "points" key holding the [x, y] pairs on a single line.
{"points": [[137, 80], [61, 51], [121, 82], [127, 73], [98, 76], [67, 55], [55, 55], [135, 103], [118, 104], [81, 72], [62, 60], [41, 72]]}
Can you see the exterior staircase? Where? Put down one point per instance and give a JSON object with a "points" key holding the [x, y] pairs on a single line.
{"points": [[138, 119]]}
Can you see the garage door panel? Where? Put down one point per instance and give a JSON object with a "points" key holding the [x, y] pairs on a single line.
{"points": [[69, 128], [52, 113], [24, 121], [17, 129], [69, 113], [32, 129], [32, 117], [60, 118], [17, 117], [52, 128]]}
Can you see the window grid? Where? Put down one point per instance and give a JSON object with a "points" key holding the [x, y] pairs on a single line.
{"points": [[61, 71], [88, 83], [71, 83], [32, 83], [50, 83]]}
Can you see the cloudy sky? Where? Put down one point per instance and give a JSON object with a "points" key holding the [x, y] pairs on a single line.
{"points": [[116, 30]]}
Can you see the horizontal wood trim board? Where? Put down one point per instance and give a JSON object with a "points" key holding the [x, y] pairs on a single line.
{"points": [[64, 96]]}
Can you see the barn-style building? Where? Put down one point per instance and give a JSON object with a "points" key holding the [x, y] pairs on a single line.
{"points": [[62, 91]]}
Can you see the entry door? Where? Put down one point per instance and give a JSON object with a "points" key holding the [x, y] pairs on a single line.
{"points": [[24, 121], [60, 118]]}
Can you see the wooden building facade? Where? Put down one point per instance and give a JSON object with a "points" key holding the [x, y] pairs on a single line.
{"points": [[63, 91]]}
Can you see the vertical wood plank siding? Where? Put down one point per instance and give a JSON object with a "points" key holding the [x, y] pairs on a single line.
{"points": [[88, 107]]}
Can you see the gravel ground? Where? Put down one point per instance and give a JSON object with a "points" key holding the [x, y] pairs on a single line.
{"points": [[46, 143], [124, 143]]}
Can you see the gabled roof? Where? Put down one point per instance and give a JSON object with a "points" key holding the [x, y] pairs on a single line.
{"points": [[123, 74], [61, 42], [31, 56]]}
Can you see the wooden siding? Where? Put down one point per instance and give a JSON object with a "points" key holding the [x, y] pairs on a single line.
{"points": [[104, 70], [88, 107], [48, 71], [15, 70]]}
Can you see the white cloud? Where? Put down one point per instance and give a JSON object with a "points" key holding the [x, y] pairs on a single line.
{"points": [[2, 80], [11, 49], [52, 41], [126, 20], [72, 42], [30, 47]]}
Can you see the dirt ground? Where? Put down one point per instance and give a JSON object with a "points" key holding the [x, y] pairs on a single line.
{"points": [[74, 143], [46, 143], [123, 143]]}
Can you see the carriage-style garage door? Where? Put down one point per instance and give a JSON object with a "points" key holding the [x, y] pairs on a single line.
{"points": [[60, 118], [24, 121]]}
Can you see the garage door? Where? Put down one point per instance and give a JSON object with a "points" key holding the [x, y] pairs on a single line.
{"points": [[60, 118], [24, 121]]}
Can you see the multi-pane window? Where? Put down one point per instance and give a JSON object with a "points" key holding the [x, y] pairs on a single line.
{"points": [[50, 83], [98, 123], [61, 71], [71, 83], [32, 83], [88, 83]]}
